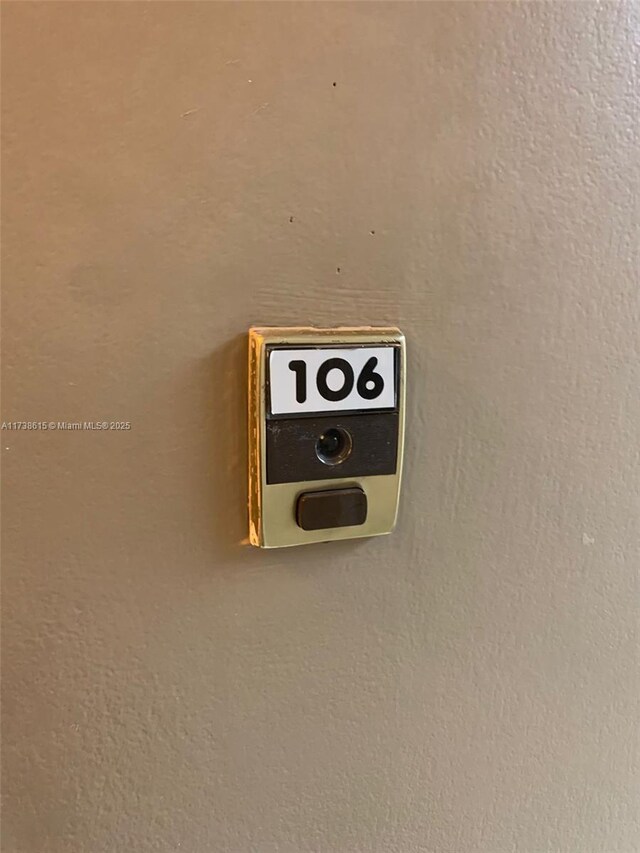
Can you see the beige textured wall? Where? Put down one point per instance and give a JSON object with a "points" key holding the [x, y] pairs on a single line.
{"points": [[175, 172]]}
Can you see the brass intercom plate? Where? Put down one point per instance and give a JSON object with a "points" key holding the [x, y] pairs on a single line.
{"points": [[326, 433]]}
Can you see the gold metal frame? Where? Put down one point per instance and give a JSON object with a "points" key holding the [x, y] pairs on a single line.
{"points": [[272, 522]]}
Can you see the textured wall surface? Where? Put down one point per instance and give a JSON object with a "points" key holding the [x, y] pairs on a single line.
{"points": [[175, 172]]}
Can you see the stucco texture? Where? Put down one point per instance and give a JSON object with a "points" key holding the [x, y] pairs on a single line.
{"points": [[172, 174]]}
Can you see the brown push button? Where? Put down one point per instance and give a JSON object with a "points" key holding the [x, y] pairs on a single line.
{"points": [[331, 508]]}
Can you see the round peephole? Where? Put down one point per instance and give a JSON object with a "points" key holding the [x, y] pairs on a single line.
{"points": [[334, 446]]}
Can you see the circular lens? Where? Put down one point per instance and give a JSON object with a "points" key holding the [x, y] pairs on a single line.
{"points": [[333, 446]]}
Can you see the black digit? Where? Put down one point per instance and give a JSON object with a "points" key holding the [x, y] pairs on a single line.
{"points": [[367, 376], [300, 370], [321, 379]]}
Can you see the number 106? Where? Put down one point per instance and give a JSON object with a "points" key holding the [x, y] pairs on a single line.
{"points": [[369, 383]]}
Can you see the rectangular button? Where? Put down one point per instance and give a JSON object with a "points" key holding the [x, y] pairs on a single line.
{"points": [[331, 508]]}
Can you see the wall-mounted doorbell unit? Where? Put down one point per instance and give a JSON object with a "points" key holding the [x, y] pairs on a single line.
{"points": [[326, 433]]}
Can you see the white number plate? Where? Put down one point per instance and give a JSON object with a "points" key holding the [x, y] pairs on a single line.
{"points": [[331, 379]]}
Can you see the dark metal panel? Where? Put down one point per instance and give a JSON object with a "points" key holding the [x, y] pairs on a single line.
{"points": [[291, 447]]}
